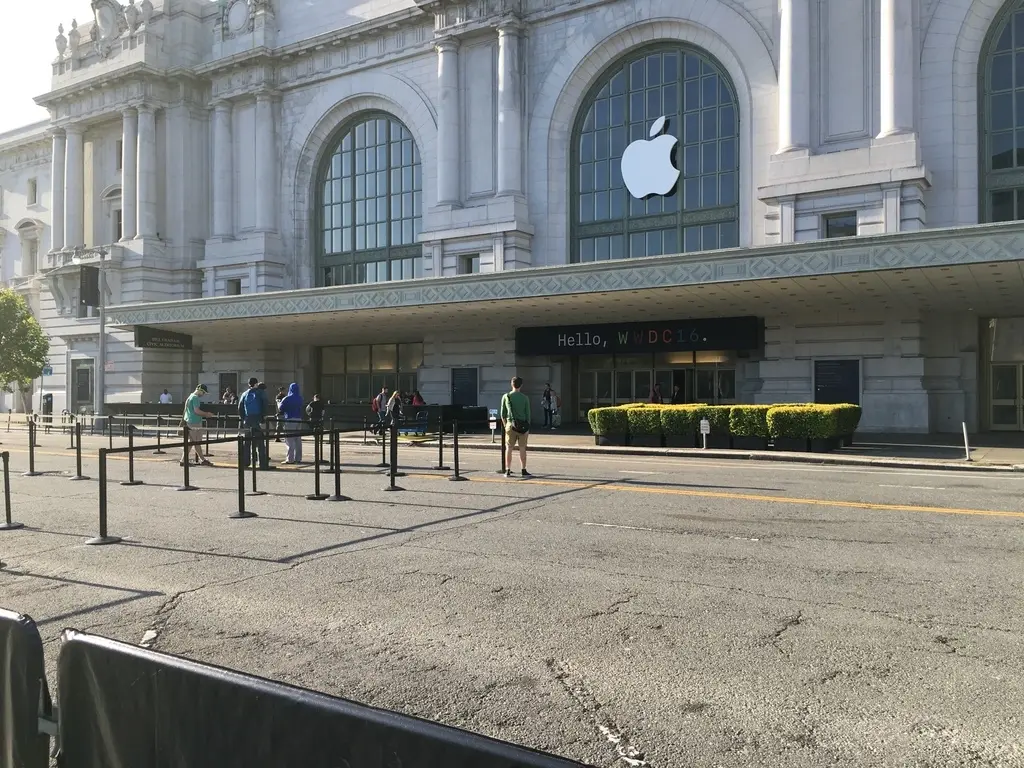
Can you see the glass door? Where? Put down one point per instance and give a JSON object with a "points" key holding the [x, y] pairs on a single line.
{"points": [[1007, 398], [623, 387]]}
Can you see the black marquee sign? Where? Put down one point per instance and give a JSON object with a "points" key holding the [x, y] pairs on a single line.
{"points": [[154, 338], [735, 334]]}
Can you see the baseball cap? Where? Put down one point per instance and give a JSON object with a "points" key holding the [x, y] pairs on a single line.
{"points": [[202, 388]]}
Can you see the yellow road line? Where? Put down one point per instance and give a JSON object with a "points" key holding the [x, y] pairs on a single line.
{"points": [[597, 485]]}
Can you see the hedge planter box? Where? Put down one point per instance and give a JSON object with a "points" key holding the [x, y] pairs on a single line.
{"points": [[795, 444], [741, 443], [647, 441], [716, 442], [622, 439], [681, 441], [825, 444], [845, 441]]}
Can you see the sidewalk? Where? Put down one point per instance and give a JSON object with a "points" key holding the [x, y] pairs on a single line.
{"points": [[991, 452]]}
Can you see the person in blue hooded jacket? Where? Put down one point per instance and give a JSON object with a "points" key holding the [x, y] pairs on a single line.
{"points": [[292, 410]]}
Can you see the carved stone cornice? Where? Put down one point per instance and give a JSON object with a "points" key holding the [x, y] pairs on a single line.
{"points": [[37, 152]]}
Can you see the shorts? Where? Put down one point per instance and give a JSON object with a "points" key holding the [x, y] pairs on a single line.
{"points": [[513, 438], [195, 434]]}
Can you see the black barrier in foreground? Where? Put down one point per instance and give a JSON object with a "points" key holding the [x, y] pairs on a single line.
{"points": [[316, 495], [336, 466], [123, 705], [131, 458], [440, 443], [159, 435], [24, 697], [185, 485], [8, 524], [393, 467], [501, 425]]}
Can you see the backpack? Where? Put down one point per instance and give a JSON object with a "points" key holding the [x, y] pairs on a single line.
{"points": [[375, 405], [252, 401]]}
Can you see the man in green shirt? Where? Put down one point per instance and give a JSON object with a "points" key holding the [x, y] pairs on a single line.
{"points": [[193, 419], [515, 416]]}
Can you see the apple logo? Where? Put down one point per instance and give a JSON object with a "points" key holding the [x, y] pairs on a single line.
{"points": [[647, 165]]}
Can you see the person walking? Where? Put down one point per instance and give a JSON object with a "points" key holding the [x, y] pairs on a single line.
{"points": [[193, 419], [252, 408], [379, 407], [291, 410], [515, 416]]}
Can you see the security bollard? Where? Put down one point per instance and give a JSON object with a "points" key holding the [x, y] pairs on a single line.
{"points": [[440, 443], [393, 469], [159, 437], [316, 495], [72, 423], [501, 425], [207, 446], [336, 466], [78, 453], [241, 514], [131, 458], [110, 432], [185, 486], [455, 452], [8, 524], [383, 449], [253, 460], [31, 451], [103, 538]]}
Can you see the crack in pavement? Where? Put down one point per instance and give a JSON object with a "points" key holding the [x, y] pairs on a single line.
{"points": [[613, 608], [571, 680], [787, 624]]}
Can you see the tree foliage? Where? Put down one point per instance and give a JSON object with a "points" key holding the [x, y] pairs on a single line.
{"points": [[23, 345]]}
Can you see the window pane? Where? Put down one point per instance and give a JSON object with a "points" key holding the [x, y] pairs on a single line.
{"points": [[1002, 206], [358, 359], [1002, 150], [332, 360], [410, 356]]}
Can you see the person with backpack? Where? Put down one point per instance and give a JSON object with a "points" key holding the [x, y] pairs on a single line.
{"points": [[252, 409], [379, 407], [515, 416]]}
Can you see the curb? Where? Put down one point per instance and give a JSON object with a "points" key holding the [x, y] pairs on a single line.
{"points": [[780, 456]]}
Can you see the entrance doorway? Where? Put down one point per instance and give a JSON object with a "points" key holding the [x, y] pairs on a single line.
{"points": [[464, 386], [81, 386], [1007, 396]]}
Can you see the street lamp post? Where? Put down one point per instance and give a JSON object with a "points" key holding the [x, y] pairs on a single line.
{"points": [[99, 387]]}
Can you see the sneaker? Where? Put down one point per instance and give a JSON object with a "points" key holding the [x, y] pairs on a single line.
{"points": [[508, 473], [524, 473]]}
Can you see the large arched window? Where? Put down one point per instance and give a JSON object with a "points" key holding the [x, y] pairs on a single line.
{"points": [[369, 203], [1001, 112], [701, 210]]}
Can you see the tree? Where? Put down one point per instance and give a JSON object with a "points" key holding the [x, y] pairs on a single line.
{"points": [[23, 345]]}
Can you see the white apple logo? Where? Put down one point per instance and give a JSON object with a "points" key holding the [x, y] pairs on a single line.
{"points": [[647, 165]]}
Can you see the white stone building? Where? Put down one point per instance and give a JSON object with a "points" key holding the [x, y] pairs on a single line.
{"points": [[428, 194]]}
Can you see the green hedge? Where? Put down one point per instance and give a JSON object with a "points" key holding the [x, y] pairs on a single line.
{"points": [[797, 420]]}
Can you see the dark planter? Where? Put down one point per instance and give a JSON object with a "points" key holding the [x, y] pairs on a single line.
{"points": [[845, 440], [646, 441], [798, 444], [744, 443], [717, 441], [621, 439], [681, 441], [825, 444]]}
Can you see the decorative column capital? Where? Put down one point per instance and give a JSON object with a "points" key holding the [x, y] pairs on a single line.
{"points": [[55, 132], [267, 96], [447, 45], [146, 109], [221, 105], [129, 112], [510, 25], [74, 129]]}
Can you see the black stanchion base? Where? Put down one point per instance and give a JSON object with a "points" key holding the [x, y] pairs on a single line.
{"points": [[382, 464], [79, 477], [97, 541], [159, 453], [392, 488], [131, 482], [11, 526], [186, 488], [457, 478], [338, 498], [242, 515], [31, 474], [255, 493], [316, 497], [442, 468]]}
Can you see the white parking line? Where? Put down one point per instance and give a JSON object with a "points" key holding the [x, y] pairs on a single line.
{"points": [[914, 487], [623, 527]]}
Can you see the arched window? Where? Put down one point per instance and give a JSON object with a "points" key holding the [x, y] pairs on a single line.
{"points": [[1001, 111], [369, 204], [700, 211]]}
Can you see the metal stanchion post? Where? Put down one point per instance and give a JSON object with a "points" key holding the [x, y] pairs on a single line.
{"points": [[78, 453], [241, 514], [440, 443], [131, 458], [393, 470], [383, 449], [455, 452], [501, 426], [110, 432], [336, 466], [72, 423], [103, 538], [207, 446], [316, 495], [8, 524], [185, 486], [159, 436], [31, 451], [253, 460]]}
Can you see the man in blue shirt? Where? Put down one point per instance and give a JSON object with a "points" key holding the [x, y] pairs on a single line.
{"points": [[252, 409]]}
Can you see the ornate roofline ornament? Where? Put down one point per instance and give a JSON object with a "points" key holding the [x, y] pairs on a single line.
{"points": [[110, 24], [61, 41]]}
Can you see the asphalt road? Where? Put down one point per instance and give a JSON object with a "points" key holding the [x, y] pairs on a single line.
{"points": [[617, 611]]}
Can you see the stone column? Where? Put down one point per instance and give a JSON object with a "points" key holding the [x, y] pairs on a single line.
{"points": [[147, 178], [223, 171], [129, 173], [266, 164], [74, 188], [57, 191], [794, 75], [510, 104], [897, 67], [448, 118]]}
